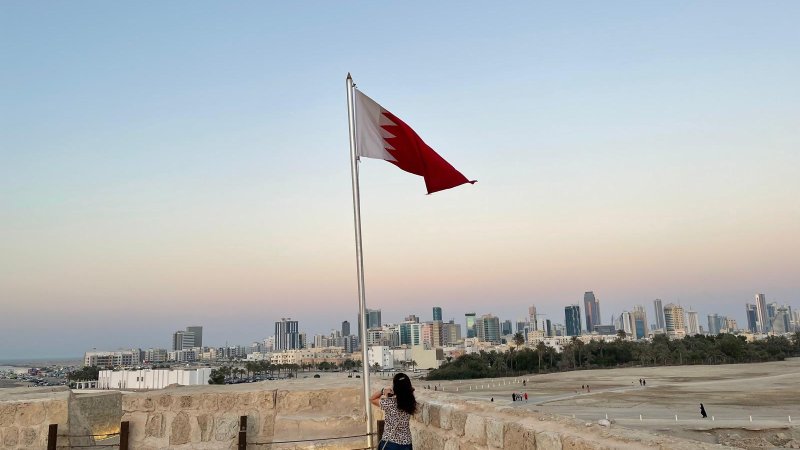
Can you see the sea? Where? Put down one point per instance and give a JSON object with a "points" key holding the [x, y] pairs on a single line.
{"points": [[27, 363]]}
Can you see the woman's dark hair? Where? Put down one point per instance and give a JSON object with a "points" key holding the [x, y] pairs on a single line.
{"points": [[404, 393]]}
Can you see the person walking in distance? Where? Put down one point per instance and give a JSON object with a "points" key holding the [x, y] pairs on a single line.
{"points": [[703, 411], [398, 405]]}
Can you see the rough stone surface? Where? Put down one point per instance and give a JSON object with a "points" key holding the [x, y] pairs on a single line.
{"points": [[11, 437], [548, 440], [475, 429], [180, 429], [155, 425], [494, 432], [205, 423], [516, 436], [458, 421]]}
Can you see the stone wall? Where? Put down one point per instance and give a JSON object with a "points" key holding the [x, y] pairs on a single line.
{"points": [[446, 422], [207, 417], [25, 418]]}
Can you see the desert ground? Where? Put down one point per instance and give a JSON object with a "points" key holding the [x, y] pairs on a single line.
{"points": [[731, 394]]}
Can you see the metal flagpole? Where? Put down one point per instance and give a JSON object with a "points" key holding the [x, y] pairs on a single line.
{"points": [[362, 304]]}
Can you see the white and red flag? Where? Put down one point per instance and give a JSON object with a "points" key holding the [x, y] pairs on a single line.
{"points": [[382, 135]]}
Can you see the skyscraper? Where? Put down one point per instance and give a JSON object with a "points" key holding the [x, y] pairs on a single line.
{"points": [[287, 335], [716, 324], [674, 320], [572, 320], [437, 313], [507, 328], [659, 313], [640, 322], [470, 319], [372, 318], [345, 328], [693, 326], [761, 310], [487, 328], [533, 317], [197, 331], [752, 318], [592, 310]]}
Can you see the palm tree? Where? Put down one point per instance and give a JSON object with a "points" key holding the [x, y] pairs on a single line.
{"points": [[621, 334], [541, 348], [519, 339]]}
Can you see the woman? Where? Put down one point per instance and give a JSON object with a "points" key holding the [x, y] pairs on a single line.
{"points": [[398, 404]]}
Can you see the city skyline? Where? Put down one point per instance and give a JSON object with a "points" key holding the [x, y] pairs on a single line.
{"points": [[197, 170]]}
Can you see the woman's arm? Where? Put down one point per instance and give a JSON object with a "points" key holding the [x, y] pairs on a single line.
{"points": [[375, 399]]}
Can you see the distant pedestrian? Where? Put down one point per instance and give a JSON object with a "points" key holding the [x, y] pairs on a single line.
{"points": [[640, 381], [644, 382], [492, 399], [513, 397], [526, 397], [588, 389], [583, 386], [703, 411]]}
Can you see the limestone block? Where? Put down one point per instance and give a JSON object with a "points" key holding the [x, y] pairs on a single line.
{"points": [[293, 401], [458, 420], [548, 440], [155, 426], [451, 444], [180, 430], [11, 437], [434, 415], [29, 436], [8, 412], [164, 401], [129, 403], [426, 413], [56, 412], [30, 414], [429, 439], [517, 437], [147, 404], [571, 442], [445, 420], [227, 428], [205, 423], [494, 432], [475, 429], [265, 399], [138, 423], [244, 399], [268, 425], [209, 402], [187, 402], [227, 402]]}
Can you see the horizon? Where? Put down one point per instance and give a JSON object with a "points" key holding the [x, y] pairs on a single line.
{"points": [[192, 166]]}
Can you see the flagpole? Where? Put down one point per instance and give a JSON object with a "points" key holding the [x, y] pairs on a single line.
{"points": [[362, 304]]}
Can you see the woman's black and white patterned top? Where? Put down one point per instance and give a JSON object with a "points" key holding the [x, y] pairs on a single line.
{"points": [[396, 428]]}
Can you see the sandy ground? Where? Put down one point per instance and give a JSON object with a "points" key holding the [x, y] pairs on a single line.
{"points": [[731, 394]]}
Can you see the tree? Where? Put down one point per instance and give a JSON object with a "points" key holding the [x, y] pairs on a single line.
{"points": [[519, 339], [541, 348], [217, 377], [621, 335], [86, 373]]}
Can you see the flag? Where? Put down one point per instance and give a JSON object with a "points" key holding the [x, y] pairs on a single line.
{"points": [[382, 135]]}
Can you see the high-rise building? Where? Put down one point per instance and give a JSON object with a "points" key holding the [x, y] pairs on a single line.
{"points": [[287, 335], [533, 317], [507, 328], [640, 322], [521, 325], [451, 333], [487, 328], [761, 310], [410, 333], [548, 328], [772, 309], [437, 313], [693, 326], [372, 318], [674, 320], [572, 320], [781, 323], [470, 319], [659, 313], [752, 317], [345, 328], [626, 323], [197, 330], [716, 324], [592, 310]]}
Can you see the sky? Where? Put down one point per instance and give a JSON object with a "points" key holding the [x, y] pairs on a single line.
{"points": [[181, 163]]}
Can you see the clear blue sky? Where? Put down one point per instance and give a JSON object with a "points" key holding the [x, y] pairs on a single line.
{"points": [[173, 163]]}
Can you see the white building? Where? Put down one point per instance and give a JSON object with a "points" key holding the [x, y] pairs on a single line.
{"points": [[381, 355], [122, 358], [152, 378]]}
